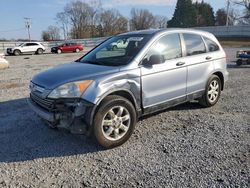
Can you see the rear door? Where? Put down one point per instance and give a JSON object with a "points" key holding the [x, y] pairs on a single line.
{"points": [[165, 82], [198, 62], [33, 47], [25, 48]]}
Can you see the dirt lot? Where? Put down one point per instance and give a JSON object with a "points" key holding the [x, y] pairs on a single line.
{"points": [[185, 146]]}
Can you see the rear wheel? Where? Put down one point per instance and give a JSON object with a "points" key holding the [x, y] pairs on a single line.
{"points": [[212, 92], [114, 121], [39, 51], [239, 62], [17, 52], [77, 50]]}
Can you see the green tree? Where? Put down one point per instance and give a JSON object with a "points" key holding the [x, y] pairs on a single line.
{"points": [[185, 14], [205, 14], [221, 17]]}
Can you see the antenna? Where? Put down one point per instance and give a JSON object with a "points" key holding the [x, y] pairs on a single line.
{"points": [[28, 26]]}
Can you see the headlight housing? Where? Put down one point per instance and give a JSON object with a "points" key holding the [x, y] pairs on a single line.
{"points": [[70, 90]]}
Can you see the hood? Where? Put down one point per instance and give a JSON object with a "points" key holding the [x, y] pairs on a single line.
{"points": [[71, 72]]}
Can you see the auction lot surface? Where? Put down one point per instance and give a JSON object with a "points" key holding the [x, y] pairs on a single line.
{"points": [[185, 146]]}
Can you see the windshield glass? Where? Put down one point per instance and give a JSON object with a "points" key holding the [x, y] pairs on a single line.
{"points": [[116, 51], [21, 44]]}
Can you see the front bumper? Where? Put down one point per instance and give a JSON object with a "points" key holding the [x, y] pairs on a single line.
{"points": [[53, 50], [75, 115], [44, 114], [9, 51]]}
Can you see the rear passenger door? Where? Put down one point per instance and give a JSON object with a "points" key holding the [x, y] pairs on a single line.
{"points": [[198, 62], [33, 47], [25, 48]]}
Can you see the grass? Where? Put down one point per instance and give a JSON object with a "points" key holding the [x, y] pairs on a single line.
{"points": [[235, 42]]}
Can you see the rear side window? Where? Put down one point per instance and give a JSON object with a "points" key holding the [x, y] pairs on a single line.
{"points": [[194, 44], [212, 46], [31, 44]]}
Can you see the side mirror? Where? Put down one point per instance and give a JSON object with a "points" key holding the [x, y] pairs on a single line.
{"points": [[155, 59]]}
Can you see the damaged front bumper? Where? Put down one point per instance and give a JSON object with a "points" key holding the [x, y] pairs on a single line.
{"points": [[72, 114]]}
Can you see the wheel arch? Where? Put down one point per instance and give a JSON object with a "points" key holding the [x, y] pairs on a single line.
{"points": [[221, 76], [122, 93]]}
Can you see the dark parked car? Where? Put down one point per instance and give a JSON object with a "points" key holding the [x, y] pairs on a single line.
{"points": [[67, 47]]}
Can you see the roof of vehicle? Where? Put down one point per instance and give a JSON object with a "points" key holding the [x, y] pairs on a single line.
{"points": [[156, 31], [31, 42]]}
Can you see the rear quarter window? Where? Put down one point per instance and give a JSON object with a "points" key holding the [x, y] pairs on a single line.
{"points": [[194, 44], [212, 46]]}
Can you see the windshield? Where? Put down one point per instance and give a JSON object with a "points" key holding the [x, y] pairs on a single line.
{"points": [[21, 44], [116, 51]]}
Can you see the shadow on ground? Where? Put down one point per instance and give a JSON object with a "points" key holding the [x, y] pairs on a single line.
{"points": [[234, 66], [23, 136]]}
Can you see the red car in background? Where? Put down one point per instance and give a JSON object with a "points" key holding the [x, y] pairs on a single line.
{"points": [[67, 47]]}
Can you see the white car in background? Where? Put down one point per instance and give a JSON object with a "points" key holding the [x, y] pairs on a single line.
{"points": [[27, 48], [120, 44], [3, 62]]}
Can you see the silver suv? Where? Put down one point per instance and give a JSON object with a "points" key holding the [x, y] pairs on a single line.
{"points": [[106, 91]]}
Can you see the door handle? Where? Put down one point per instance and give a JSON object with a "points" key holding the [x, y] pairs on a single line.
{"points": [[180, 63], [208, 58]]}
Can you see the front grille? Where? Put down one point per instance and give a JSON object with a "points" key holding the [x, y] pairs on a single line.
{"points": [[44, 103]]}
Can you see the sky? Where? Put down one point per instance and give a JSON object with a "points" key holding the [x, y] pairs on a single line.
{"points": [[43, 13]]}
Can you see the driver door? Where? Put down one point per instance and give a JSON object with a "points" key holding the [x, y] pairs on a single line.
{"points": [[165, 83]]}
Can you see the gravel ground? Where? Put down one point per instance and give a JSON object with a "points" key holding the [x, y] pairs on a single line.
{"points": [[185, 146]]}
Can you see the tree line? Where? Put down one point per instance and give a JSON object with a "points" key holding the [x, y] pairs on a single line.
{"points": [[87, 20]]}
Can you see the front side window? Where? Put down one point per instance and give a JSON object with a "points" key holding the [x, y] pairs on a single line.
{"points": [[117, 51], [194, 44], [168, 47], [212, 46]]}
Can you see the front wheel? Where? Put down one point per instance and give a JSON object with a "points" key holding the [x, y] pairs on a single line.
{"points": [[212, 92], [114, 121], [17, 52]]}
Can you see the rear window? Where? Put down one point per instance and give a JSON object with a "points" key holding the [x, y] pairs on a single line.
{"points": [[212, 46], [194, 44]]}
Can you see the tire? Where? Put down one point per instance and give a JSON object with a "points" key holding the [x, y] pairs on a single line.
{"points": [[114, 48], [116, 131], [77, 50], [212, 92], [39, 51], [17, 52], [59, 51], [239, 62]]}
